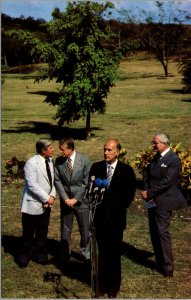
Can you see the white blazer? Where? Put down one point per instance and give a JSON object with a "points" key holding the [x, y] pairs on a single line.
{"points": [[37, 188]]}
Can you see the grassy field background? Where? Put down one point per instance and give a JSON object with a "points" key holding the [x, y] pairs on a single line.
{"points": [[142, 103]]}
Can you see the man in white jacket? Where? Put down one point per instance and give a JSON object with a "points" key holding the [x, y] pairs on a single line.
{"points": [[37, 199]]}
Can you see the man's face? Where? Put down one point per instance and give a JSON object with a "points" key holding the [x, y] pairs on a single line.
{"points": [[64, 151], [110, 151], [48, 152], [157, 145]]}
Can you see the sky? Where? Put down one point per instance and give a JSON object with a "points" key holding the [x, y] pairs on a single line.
{"points": [[41, 9]]}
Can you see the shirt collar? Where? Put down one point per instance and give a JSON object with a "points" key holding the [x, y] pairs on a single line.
{"points": [[72, 157], [113, 165], [164, 152]]}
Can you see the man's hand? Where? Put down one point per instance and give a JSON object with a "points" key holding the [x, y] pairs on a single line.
{"points": [[144, 195], [71, 202], [50, 202]]}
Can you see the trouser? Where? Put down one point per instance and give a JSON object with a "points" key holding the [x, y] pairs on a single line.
{"points": [[159, 222], [109, 243], [35, 230], [67, 217]]}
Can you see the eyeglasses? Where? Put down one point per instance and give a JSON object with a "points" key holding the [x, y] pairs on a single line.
{"points": [[155, 143]]}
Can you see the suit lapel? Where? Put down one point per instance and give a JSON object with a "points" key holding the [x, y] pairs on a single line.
{"points": [[116, 172], [64, 171], [41, 166]]}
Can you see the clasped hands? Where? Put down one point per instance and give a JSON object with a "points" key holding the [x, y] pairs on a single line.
{"points": [[50, 202], [71, 202]]}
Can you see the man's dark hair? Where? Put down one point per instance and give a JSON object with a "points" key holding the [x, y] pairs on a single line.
{"points": [[42, 144], [69, 142]]}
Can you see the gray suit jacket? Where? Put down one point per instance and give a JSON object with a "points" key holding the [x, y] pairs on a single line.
{"points": [[37, 188], [75, 186], [161, 178]]}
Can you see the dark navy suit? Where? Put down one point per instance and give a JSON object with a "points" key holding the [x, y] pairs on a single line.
{"points": [[110, 221], [161, 178]]}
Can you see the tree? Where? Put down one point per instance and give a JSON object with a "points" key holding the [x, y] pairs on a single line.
{"points": [[14, 51], [79, 56], [162, 33]]}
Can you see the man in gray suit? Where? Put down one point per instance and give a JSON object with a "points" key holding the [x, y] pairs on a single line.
{"points": [[37, 199], [71, 177], [161, 178]]}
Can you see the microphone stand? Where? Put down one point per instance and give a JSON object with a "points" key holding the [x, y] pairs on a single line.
{"points": [[93, 247]]}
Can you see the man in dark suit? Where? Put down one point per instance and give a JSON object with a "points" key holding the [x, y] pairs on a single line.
{"points": [[71, 178], [110, 215], [161, 178]]}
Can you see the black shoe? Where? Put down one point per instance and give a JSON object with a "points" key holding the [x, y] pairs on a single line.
{"points": [[102, 292], [23, 261], [168, 274], [112, 295], [42, 259]]}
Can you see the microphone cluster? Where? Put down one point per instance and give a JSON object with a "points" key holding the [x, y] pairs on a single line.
{"points": [[95, 189]]}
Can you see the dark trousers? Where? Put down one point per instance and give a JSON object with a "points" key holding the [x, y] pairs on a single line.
{"points": [[109, 243], [35, 230], [159, 222]]}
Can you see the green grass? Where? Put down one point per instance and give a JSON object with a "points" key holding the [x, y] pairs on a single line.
{"points": [[142, 103]]}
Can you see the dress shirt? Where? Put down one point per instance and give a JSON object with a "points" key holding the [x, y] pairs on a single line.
{"points": [[72, 157], [164, 152], [113, 166]]}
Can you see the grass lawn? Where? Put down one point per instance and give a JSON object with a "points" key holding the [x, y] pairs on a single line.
{"points": [[142, 102]]}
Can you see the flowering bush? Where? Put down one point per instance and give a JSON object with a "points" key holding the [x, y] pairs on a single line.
{"points": [[123, 156]]}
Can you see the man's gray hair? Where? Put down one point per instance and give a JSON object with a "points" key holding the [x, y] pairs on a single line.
{"points": [[42, 144], [164, 138]]}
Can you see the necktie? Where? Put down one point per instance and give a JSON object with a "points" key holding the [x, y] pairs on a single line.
{"points": [[69, 166], [109, 174], [48, 171]]}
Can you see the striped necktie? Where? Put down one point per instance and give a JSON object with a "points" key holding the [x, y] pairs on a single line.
{"points": [[109, 174], [69, 166]]}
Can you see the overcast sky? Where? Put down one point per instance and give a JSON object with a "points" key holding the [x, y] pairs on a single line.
{"points": [[41, 9]]}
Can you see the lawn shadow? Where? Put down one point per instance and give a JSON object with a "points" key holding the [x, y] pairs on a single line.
{"points": [[55, 132], [76, 268], [11, 245], [186, 100], [139, 256]]}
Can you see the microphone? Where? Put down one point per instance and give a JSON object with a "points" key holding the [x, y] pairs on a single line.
{"points": [[105, 183], [91, 184], [89, 187], [102, 191], [98, 183]]}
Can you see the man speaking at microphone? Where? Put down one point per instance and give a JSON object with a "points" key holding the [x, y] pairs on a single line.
{"points": [[110, 215]]}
